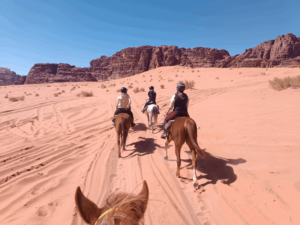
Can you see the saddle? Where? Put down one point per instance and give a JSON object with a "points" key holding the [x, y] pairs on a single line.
{"points": [[169, 124], [152, 104]]}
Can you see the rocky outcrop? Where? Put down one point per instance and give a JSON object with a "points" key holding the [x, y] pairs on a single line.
{"points": [[131, 61], [282, 52], [51, 72], [8, 77]]}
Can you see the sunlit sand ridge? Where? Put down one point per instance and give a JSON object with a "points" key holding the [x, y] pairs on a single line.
{"points": [[50, 145]]}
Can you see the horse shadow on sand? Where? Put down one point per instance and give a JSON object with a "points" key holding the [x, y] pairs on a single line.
{"points": [[143, 147], [143, 127], [214, 169], [139, 127]]}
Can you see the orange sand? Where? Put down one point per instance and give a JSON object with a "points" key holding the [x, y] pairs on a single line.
{"points": [[50, 145]]}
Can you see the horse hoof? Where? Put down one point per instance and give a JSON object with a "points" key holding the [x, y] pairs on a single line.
{"points": [[196, 185]]}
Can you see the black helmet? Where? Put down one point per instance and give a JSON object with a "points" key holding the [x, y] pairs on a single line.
{"points": [[180, 87], [124, 90], [151, 88]]}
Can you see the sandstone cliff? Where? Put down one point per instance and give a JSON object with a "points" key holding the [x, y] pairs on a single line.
{"points": [[51, 72], [282, 52], [8, 77]]}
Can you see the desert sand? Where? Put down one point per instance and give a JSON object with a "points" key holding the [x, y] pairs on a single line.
{"points": [[250, 133]]}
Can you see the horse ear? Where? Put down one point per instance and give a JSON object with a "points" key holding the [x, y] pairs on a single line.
{"points": [[88, 210], [144, 194]]}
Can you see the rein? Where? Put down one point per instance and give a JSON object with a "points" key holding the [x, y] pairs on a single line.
{"points": [[119, 215], [103, 214]]}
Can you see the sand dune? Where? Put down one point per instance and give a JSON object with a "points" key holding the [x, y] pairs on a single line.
{"points": [[50, 145]]}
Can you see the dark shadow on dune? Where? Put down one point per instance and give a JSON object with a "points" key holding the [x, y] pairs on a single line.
{"points": [[139, 127], [214, 169], [142, 147]]}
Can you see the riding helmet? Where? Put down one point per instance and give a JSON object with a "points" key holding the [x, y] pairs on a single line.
{"points": [[180, 87], [151, 88], [124, 90]]}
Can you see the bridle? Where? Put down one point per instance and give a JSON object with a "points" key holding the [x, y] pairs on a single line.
{"points": [[118, 214]]}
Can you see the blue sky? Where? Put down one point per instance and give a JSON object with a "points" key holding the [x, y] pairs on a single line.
{"points": [[75, 32]]}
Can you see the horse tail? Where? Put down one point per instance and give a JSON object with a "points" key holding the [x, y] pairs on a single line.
{"points": [[124, 131], [155, 111], [191, 129]]}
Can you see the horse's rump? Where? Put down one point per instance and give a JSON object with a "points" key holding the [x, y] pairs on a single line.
{"points": [[188, 127]]}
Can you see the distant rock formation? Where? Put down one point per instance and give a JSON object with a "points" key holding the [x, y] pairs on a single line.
{"points": [[8, 77], [51, 72], [131, 61], [284, 51]]}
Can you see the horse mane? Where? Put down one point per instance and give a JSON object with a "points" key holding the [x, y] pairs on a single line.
{"points": [[127, 209]]}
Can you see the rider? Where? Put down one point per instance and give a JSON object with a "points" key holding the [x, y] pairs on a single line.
{"points": [[152, 98], [179, 103], [123, 104]]}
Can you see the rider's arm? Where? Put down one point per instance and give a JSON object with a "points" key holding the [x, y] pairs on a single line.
{"points": [[171, 105], [118, 100], [129, 102]]}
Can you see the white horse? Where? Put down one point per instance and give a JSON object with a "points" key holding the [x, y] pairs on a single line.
{"points": [[152, 112]]}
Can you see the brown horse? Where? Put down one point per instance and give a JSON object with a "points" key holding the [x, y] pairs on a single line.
{"points": [[123, 122], [120, 209], [183, 130]]}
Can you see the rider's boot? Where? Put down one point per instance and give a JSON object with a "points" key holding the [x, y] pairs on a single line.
{"points": [[113, 119], [165, 133]]}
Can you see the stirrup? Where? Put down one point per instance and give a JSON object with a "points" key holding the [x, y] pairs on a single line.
{"points": [[164, 135]]}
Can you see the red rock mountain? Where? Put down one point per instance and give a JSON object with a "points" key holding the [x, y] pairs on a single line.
{"points": [[282, 52], [8, 77]]}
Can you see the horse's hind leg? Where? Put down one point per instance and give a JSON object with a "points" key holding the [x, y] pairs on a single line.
{"points": [[194, 162], [119, 144], [166, 148], [177, 152]]}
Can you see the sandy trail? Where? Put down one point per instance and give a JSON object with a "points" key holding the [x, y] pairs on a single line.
{"points": [[50, 145]]}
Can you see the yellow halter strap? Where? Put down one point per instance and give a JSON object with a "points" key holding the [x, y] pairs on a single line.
{"points": [[103, 214]]}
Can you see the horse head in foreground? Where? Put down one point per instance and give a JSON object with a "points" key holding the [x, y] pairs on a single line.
{"points": [[183, 130], [123, 122], [120, 209], [152, 113]]}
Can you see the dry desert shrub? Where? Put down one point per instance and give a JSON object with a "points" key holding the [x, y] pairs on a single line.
{"points": [[63, 91], [240, 72], [176, 75], [130, 86], [136, 90], [85, 94], [73, 88], [37, 95], [48, 85], [281, 84], [6, 96], [15, 99], [162, 86], [119, 90], [263, 73], [56, 94], [197, 70], [188, 84], [103, 86], [217, 77], [142, 89], [193, 71]]}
